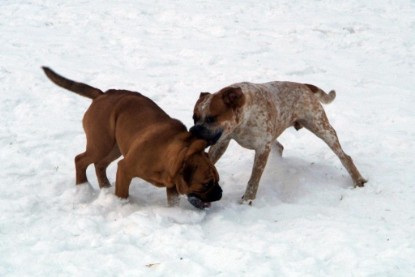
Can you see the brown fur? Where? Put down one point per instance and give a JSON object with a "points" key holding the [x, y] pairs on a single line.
{"points": [[154, 146]]}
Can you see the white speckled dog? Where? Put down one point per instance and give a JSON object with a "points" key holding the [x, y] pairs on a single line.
{"points": [[255, 115]]}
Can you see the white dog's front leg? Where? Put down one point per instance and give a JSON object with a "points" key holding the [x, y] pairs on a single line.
{"points": [[216, 151], [261, 157]]}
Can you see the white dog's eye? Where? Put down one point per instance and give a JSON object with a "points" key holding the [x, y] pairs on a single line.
{"points": [[210, 119], [195, 118]]}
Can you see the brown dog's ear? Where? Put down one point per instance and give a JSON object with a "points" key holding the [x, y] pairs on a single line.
{"points": [[183, 176], [196, 146], [233, 96], [187, 173], [181, 184]]}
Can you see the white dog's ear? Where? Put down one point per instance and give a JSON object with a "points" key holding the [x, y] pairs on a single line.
{"points": [[203, 94], [233, 96]]}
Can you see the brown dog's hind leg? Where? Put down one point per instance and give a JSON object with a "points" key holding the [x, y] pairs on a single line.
{"points": [[101, 166], [122, 184], [320, 126], [82, 161]]}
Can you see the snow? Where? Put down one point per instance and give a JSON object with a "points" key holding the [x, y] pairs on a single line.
{"points": [[307, 219]]}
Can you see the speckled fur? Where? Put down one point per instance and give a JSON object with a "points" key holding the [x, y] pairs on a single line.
{"points": [[266, 110]]}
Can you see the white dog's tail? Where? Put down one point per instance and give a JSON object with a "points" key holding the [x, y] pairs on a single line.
{"points": [[323, 97]]}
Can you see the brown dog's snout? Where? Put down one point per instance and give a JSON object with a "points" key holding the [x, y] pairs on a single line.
{"points": [[201, 201], [211, 194], [214, 193]]}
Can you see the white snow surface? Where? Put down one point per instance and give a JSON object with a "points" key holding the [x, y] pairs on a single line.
{"points": [[307, 220]]}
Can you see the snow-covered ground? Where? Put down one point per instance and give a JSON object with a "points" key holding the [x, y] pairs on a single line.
{"points": [[307, 219]]}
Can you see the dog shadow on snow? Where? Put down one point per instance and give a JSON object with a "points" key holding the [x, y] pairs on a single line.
{"points": [[287, 179], [292, 179], [145, 201], [145, 204]]}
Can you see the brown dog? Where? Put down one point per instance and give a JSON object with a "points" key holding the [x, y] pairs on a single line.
{"points": [[156, 147], [256, 114]]}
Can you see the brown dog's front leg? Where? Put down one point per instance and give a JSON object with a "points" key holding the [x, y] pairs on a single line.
{"points": [[261, 157], [122, 183], [172, 197]]}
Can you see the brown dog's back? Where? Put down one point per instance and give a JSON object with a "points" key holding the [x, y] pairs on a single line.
{"points": [[128, 117]]}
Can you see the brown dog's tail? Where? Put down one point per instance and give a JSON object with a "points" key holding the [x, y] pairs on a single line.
{"points": [[79, 88], [323, 97]]}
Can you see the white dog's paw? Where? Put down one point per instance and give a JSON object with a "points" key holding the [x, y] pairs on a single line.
{"points": [[244, 201]]}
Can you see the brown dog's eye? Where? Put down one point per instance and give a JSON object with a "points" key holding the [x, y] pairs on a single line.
{"points": [[210, 119], [207, 186]]}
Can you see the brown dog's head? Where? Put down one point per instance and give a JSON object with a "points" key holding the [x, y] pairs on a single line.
{"points": [[217, 114], [198, 177]]}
